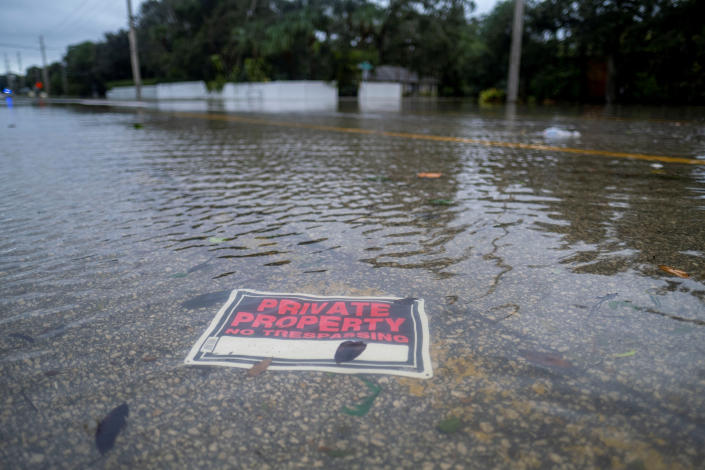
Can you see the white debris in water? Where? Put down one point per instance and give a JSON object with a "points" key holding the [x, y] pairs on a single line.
{"points": [[656, 165], [556, 133]]}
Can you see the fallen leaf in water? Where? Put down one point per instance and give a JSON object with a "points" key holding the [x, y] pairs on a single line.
{"points": [[545, 359], [29, 401], [216, 239], [278, 263], [429, 175], [137, 125], [259, 368], [110, 427], [441, 202], [349, 350], [614, 304], [625, 354], [200, 266], [364, 406], [601, 300], [655, 301], [674, 271], [449, 425], [380, 179], [23, 336]]}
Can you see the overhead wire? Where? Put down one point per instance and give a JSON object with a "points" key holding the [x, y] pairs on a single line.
{"points": [[84, 12], [71, 17], [76, 16], [18, 46]]}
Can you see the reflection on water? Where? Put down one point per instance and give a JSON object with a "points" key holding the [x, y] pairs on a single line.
{"points": [[278, 106], [388, 105], [547, 308], [249, 105]]}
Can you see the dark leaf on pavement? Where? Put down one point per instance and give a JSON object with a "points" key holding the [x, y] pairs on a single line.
{"points": [[259, 368], [23, 336], [449, 425], [349, 350], [110, 427], [200, 266]]}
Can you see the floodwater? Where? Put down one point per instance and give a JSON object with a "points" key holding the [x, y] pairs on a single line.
{"points": [[556, 339]]}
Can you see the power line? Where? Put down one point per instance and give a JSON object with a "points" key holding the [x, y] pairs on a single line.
{"points": [[45, 73], [17, 46], [83, 17], [70, 15], [34, 48]]}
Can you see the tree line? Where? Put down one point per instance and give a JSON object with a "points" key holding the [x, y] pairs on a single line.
{"points": [[624, 51]]}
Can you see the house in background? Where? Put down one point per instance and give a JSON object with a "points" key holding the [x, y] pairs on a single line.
{"points": [[411, 84]]}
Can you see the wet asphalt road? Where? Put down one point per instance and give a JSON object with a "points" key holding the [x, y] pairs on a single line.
{"points": [[556, 339]]}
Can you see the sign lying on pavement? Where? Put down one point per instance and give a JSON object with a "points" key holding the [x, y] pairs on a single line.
{"points": [[389, 335]]}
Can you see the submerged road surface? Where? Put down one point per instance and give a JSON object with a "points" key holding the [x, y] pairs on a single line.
{"points": [[563, 283]]}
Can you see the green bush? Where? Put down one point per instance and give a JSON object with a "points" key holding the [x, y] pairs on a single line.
{"points": [[491, 96]]}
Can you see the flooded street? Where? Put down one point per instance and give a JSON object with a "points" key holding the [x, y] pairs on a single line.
{"points": [[556, 338]]}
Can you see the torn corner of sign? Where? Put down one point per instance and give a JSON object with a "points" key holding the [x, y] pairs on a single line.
{"points": [[378, 335]]}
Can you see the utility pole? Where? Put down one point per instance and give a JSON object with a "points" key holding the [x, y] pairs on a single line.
{"points": [[45, 72], [133, 53], [21, 72], [515, 53], [8, 74]]}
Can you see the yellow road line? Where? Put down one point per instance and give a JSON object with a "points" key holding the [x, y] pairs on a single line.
{"points": [[440, 138]]}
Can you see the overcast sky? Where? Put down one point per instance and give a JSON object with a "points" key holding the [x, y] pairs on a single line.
{"points": [[66, 22]]}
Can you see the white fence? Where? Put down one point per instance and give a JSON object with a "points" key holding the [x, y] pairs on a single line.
{"points": [[379, 96], [386, 91], [323, 93], [305, 90], [182, 91], [149, 92], [278, 96], [162, 91]]}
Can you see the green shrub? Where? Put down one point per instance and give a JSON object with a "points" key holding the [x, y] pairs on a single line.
{"points": [[491, 96]]}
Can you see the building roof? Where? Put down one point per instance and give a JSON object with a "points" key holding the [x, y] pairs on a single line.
{"points": [[393, 73], [398, 74]]}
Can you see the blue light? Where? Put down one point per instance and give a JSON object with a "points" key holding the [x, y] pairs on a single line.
{"points": [[7, 91]]}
